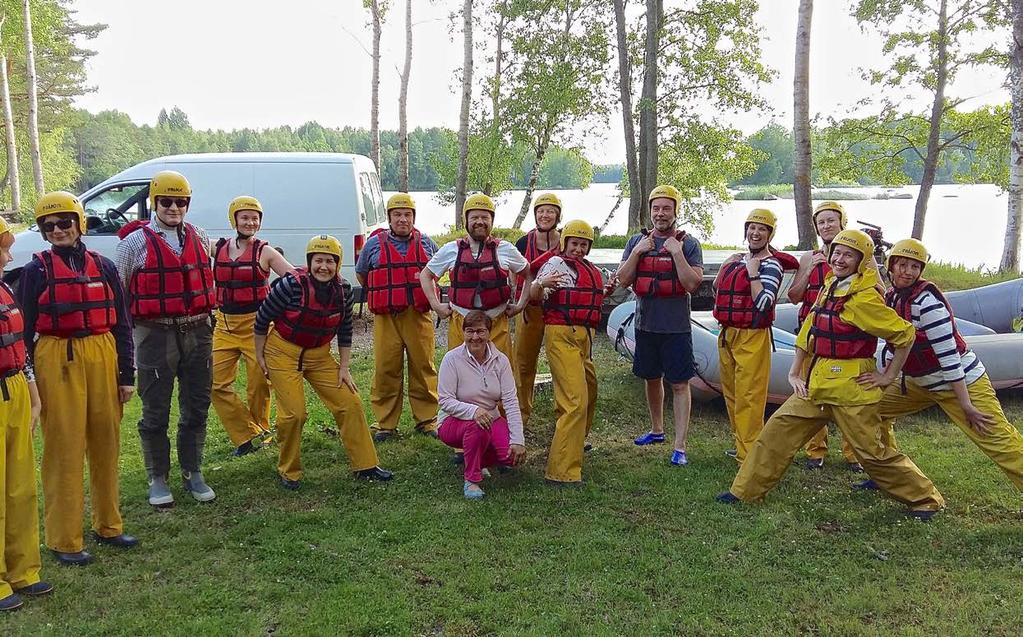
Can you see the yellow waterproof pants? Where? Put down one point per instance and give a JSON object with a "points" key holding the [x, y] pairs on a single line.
{"points": [[1003, 443], [81, 417], [320, 368], [500, 335], [745, 356], [232, 340], [799, 419], [529, 332], [818, 446], [395, 336], [19, 514], [575, 398]]}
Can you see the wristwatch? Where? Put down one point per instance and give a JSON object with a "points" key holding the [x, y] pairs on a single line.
{"points": [[755, 278]]}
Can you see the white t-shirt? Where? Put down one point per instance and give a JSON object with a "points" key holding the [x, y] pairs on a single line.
{"points": [[508, 258]]}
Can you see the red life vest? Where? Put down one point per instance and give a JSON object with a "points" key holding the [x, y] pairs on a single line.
{"points": [[922, 359], [532, 253], [312, 324], [242, 283], [733, 305], [168, 285], [12, 342], [74, 304], [394, 283], [814, 285], [656, 275], [834, 337], [579, 304], [481, 275]]}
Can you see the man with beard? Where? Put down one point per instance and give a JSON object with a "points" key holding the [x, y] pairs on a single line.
{"points": [[529, 325], [241, 270], [664, 266], [388, 269], [165, 266], [829, 218], [746, 289], [479, 266]]}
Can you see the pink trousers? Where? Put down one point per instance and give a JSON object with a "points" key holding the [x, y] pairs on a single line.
{"points": [[482, 448]]}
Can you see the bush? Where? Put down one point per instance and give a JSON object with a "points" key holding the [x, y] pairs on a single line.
{"points": [[761, 193], [508, 234], [948, 276]]}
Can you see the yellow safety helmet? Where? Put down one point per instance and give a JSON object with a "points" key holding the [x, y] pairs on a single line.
{"points": [[243, 202], [548, 199], [579, 229], [479, 201], [324, 244], [910, 249], [58, 202], [401, 200], [859, 241], [4, 226], [761, 216], [667, 192], [833, 206], [168, 183]]}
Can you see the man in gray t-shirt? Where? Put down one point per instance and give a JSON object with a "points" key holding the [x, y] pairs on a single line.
{"points": [[663, 267]]}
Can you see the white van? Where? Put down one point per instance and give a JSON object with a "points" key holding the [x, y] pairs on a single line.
{"points": [[303, 194]]}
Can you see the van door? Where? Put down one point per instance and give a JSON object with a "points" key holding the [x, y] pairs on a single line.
{"points": [[108, 210]]}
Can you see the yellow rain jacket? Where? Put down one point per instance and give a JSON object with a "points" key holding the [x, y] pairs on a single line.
{"points": [[833, 381]]}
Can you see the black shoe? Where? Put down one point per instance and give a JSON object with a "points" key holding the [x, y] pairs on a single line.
{"points": [[727, 498], [432, 433], [587, 447], [374, 473], [81, 558], [11, 602], [865, 485], [458, 458], [290, 485], [732, 453], [923, 516], [811, 464], [121, 541], [244, 449], [384, 435], [563, 484], [35, 590], [855, 467]]}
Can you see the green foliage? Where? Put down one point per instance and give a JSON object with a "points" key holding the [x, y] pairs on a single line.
{"points": [[949, 276], [775, 159], [761, 193], [508, 234], [608, 174]]}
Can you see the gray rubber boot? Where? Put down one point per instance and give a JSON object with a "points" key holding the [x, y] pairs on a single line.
{"points": [[195, 485], [159, 492]]}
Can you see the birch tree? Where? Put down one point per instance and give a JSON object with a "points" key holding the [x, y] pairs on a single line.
{"points": [[5, 96], [801, 128], [636, 194], [463, 113], [403, 103], [33, 104], [1014, 221], [376, 9]]}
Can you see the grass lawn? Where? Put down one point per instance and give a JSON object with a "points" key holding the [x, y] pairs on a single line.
{"points": [[641, 549]]}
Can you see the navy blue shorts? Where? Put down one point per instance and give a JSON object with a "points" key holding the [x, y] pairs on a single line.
{"points": [[667, 355]]}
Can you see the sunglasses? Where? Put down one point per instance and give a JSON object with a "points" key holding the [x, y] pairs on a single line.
{"points": [[63, 224], [165, 202]]}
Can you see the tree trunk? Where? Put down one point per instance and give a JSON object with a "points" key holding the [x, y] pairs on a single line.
{"points": [[534, 174], [933, 136], [801, 129], [33, 105], [463, 115], [495, 100], [374, 108], [1014, 222], [636, 195], [648, 155], [403, 103], [12, 153], [610, 215]]}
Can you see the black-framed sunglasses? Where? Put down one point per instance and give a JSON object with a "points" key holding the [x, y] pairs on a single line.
{"points": [[165, 202], [63, 224]]}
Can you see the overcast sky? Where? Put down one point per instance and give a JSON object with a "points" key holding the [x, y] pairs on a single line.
{"points": [[234, 64]]}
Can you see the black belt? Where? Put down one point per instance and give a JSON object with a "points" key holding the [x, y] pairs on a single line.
{"points": [[180, 326]]}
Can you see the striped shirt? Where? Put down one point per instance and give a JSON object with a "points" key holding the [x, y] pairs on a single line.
{"points": [[131, 251], [286, 293], [930, 316], [770, 277]]}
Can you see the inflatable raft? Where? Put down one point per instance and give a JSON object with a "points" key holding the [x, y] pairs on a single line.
{"points": [[1002, 354]]}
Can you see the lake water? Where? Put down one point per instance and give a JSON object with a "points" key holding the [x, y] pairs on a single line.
{"points": [[965, 223]]}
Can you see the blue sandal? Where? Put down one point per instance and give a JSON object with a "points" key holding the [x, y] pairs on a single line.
{"points": [[649, 438]]}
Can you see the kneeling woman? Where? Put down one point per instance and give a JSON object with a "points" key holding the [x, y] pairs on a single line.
{"points": [[572, 290], [309, 308], [73, 299], [474, 377]]}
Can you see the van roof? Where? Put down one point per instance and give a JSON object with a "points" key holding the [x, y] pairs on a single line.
{"points": [[333, 158]]}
